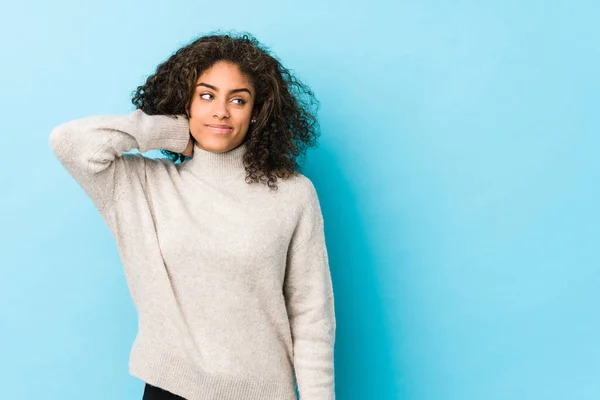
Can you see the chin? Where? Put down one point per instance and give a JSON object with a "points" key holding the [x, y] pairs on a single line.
{"points": [[218, 146]]}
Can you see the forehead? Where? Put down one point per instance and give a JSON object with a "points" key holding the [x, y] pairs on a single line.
{"points": [[224, 74]]}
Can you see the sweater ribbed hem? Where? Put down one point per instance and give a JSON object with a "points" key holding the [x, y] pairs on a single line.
{"points": [[178, 376]]}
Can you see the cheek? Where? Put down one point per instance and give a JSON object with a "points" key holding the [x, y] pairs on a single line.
{"points": [[244, 119], [197, 110], [247, 115]]}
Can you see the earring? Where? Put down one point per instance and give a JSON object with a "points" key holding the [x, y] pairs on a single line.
{"points": [[253, 121]]}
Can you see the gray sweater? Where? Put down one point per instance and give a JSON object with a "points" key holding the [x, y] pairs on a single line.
{"points": [[230, 280]]}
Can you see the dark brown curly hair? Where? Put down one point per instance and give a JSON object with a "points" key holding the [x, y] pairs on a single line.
{"points": [[286, 123]]}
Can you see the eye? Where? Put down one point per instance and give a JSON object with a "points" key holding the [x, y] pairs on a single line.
{"points": [[240, 100]]}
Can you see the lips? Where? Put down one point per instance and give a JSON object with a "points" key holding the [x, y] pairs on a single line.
{"points": [[220, 128]]}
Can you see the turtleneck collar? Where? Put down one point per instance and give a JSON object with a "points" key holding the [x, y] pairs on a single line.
{"points": [[209, 164]]}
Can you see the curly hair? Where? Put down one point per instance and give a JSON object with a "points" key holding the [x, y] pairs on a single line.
{"points": [[286, 123]]}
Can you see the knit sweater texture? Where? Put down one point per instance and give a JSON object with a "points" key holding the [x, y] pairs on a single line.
{"points": [[230, 280]]}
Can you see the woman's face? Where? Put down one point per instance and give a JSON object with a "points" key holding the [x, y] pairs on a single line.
{"points": [[221, 108]]}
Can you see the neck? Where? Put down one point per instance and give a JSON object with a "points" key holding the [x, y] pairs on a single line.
{"points": [[208, 164]]}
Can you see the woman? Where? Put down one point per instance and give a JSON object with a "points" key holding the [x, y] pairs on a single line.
{"points": [[224, 252]]}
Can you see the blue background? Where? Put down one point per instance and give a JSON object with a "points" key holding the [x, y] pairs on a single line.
{"points": [[458, 174]]}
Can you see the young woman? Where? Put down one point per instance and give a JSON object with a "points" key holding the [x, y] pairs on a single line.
{"points": [[223, 241]]}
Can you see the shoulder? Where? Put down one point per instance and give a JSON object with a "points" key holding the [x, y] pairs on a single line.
{"points": [[298, 183], [308, 217], [299, 188], [301, 194]]}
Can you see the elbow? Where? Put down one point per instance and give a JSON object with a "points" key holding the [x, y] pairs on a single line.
{"points": [[64, 145], [58, 140], [60, 136]]}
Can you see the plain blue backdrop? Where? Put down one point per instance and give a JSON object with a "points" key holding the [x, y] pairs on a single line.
{"points": [[458, 173]]}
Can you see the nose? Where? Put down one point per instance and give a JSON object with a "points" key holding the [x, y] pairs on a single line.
{"points": [[221, 111]]}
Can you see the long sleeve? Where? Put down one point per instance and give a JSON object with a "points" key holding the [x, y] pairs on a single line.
{"points": [[309, 300], [91, 149]]}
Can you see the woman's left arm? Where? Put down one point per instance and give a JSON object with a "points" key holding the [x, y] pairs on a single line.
{"points": [[308, 292]]}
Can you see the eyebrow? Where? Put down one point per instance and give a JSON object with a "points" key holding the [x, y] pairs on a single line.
{"points": [[231, 91]]}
